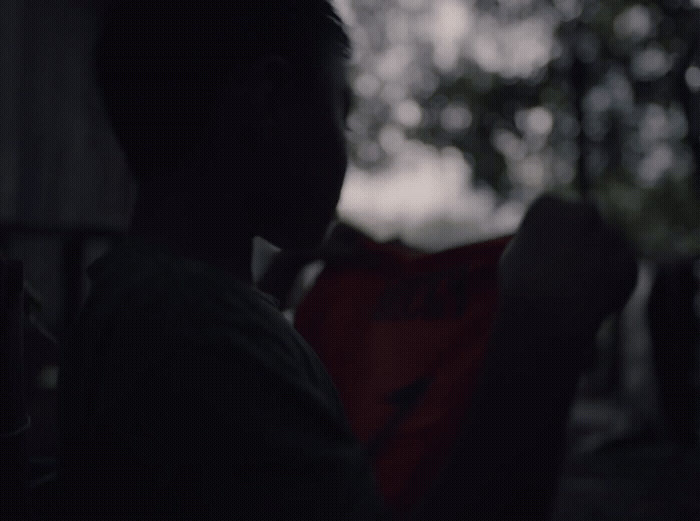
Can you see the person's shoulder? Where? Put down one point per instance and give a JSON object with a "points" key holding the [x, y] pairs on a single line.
{"points": [[171, 306], [152, 281], [214, 311]]}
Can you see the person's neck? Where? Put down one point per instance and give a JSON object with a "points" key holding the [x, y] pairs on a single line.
{"points": [[192, 230]]}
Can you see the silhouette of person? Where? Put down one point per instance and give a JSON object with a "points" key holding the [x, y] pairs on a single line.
{"points": [[183, 390]]}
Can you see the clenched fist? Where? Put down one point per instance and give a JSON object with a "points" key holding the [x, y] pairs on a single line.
{"points": [[566, 269]]}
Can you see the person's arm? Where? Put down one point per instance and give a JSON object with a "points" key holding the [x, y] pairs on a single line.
{"points": [[564, 271], [507, 460]]}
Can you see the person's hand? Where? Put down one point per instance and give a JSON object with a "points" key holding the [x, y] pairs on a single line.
{"points": [[566, 269]]}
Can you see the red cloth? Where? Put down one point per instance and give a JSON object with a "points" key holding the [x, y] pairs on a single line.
{"points": [[380, 326]]}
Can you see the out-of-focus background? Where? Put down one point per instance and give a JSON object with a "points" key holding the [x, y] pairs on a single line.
{"points": [[465, 110]]}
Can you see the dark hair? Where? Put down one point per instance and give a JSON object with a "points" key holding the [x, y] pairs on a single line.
{"points": [[158, 65]]}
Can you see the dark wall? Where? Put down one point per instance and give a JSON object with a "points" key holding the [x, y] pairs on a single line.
{"points": [[59, 162]]}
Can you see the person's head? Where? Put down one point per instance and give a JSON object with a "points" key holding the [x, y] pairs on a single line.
{"points": [[239, 106]]}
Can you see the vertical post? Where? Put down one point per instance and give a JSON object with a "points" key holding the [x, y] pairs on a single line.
{"points": [[14, 418], [688, 99], [579, 82], [73, 276]]}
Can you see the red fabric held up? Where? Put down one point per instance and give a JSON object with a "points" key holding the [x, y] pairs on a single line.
{"points": [[406, 329]]}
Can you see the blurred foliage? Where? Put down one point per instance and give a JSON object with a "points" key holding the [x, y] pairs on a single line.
{"points": [[580, 96]]}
